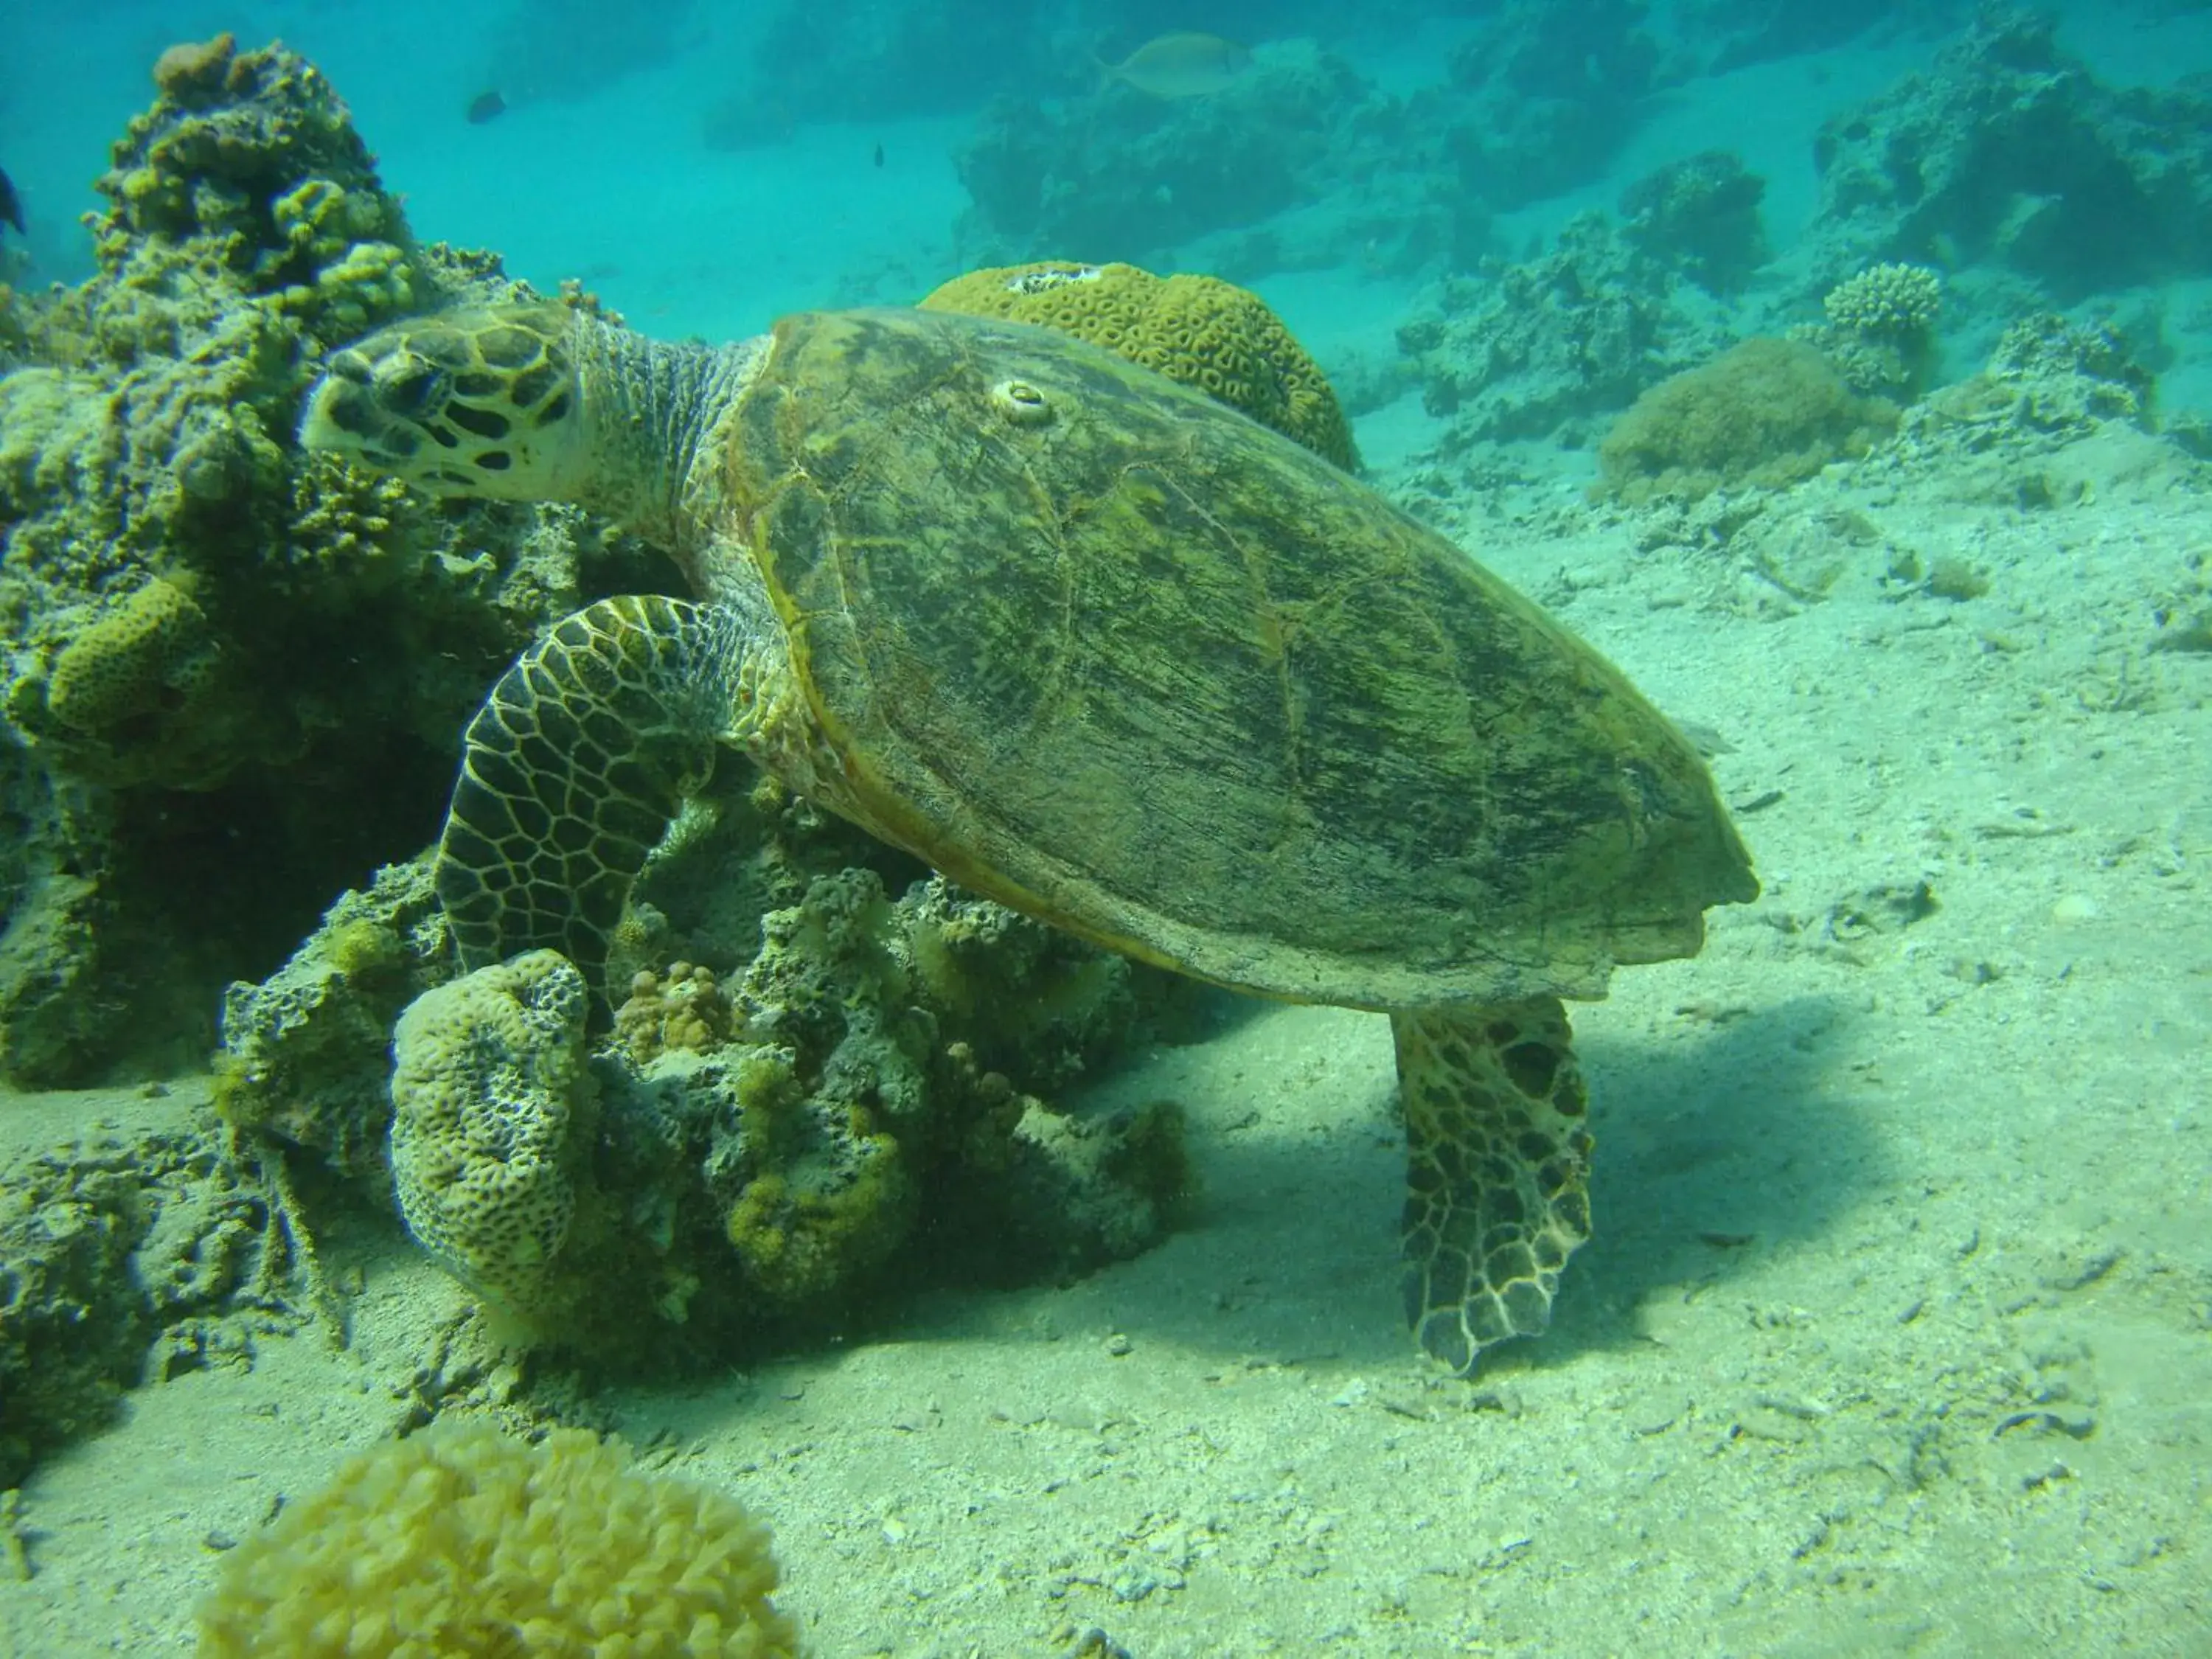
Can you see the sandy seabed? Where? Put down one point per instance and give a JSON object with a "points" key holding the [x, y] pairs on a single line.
{"points": [[1896, 1336]]}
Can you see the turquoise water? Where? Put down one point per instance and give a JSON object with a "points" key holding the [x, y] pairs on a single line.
{"points": [[859, 1208]]}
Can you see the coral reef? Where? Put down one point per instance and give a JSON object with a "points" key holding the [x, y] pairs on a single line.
{"points": [[560, 49], [1118, 173], [306, 1053], [137, 1248], [1699, 218], [1541, 349], [2049, 384], [1731, 33], [228, 660], [1763, 414], [878, 64], [459, 1539], [2009, 150], [219, 654], [1880, 330], [766, 1146], [1198, 330], [824, 1079], [1549, 90], [250, 159]]}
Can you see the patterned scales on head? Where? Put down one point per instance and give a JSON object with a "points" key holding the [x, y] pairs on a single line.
{"points": [[1099, 647]]}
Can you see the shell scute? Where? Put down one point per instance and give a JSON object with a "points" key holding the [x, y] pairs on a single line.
{"points": [[1157, 675]]}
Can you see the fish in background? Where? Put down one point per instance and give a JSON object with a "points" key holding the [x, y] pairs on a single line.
{"points": [[486, 106], [1180, 65], [11, 205]]}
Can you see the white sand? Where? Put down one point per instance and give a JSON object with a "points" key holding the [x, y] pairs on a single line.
{"points": [[1893, 1338]]}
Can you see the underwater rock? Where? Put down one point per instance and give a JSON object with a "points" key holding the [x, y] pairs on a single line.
{"points": [[222, 655], [883, 64], [1543, 348], [1699, 218], [306, 1053], [2009, 150], [1731, 33], [132, 1248], [1119, 173], [1552, 88], [2057, 407], [562, 50], [775, 1149]]}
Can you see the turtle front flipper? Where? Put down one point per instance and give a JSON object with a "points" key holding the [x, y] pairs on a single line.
{"points": [[1498, 1170], [575, 766]]}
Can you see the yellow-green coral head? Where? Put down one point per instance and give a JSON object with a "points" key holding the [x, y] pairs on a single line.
{"points": [[485, 402]]}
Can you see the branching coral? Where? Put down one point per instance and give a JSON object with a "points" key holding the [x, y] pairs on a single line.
{"points": [[1881, 331], [1887, 301]]}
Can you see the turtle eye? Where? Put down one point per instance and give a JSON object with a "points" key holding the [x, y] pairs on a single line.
{"points": [[348, 410], [413, 389], [1021, 403]]}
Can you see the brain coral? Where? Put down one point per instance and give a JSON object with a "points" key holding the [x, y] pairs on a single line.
{"points": [[461, 1543], [489, 1078], [1198, 329], [152, 650]]}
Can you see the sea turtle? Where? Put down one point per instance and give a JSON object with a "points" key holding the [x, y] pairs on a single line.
{"points": [[1101, 648]]}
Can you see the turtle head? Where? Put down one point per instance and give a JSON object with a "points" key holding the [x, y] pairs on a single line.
{"points": [[485, 402]]}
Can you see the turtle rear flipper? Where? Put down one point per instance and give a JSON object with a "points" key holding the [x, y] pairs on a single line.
{"points": [[573, 769], [1498, 1168]]}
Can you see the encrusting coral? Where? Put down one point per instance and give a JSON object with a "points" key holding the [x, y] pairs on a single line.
{"points": [[748, 1154], [459, 1542], [1198, 329], [491, 1104], [150, 649]]}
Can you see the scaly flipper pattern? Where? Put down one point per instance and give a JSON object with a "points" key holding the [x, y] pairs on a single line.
{"points": [[572, 769], [1498, 1170]]}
